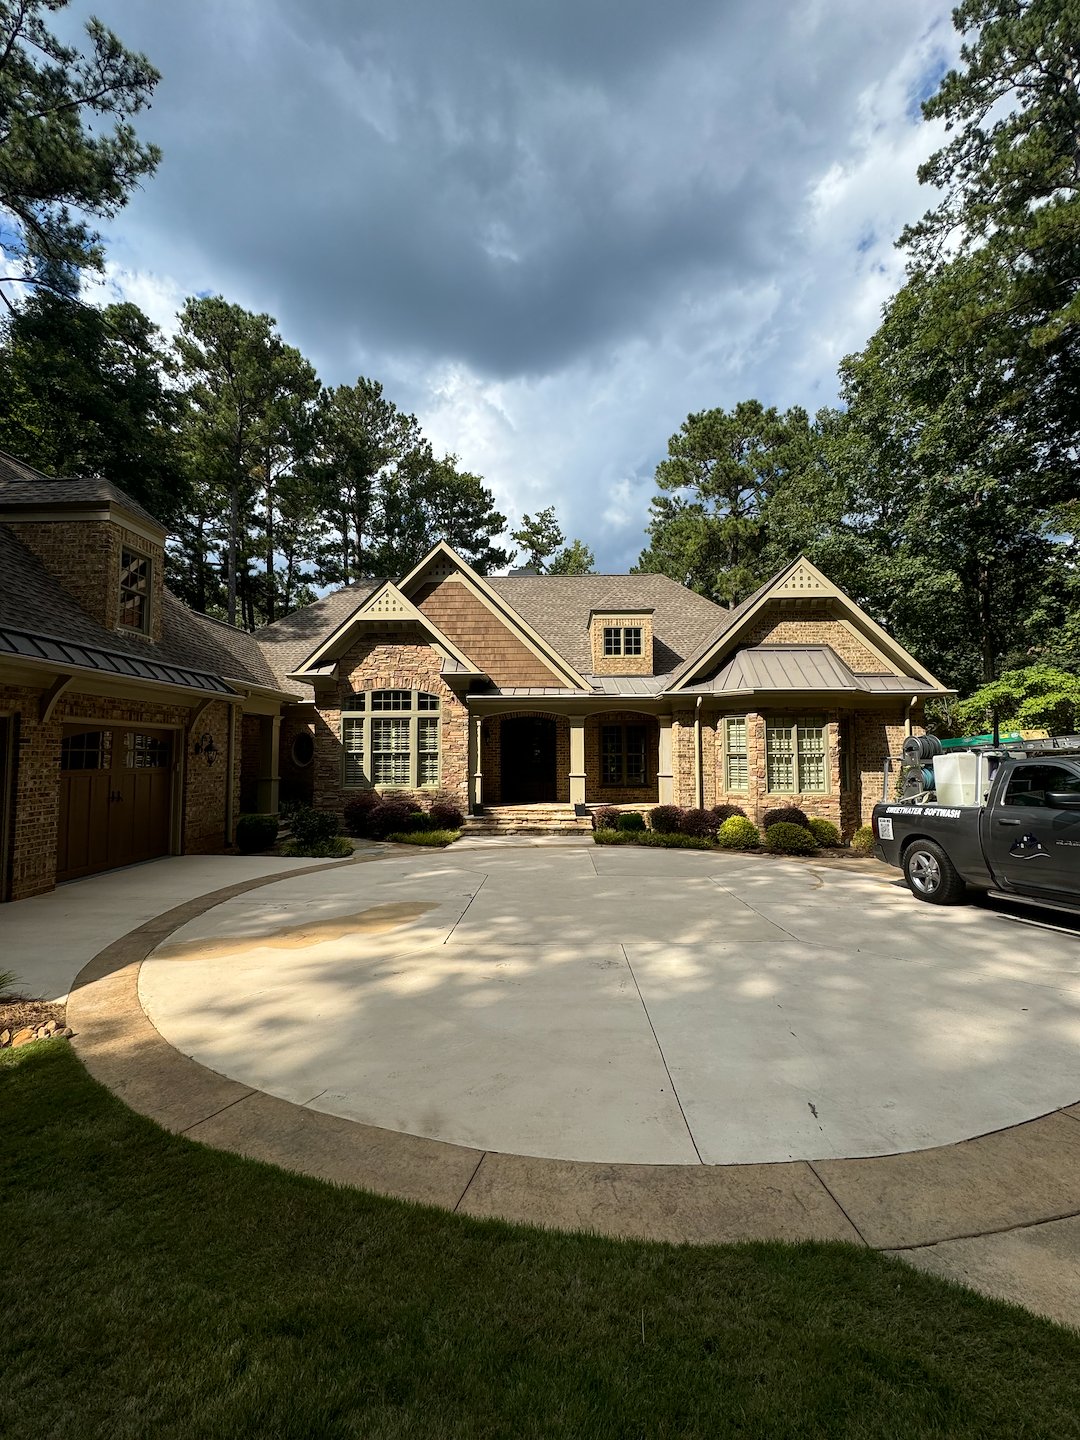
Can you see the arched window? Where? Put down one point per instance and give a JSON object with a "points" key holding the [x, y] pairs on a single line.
{"points": [[390, 740]]}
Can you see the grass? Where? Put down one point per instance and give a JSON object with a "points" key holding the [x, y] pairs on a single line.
{"points": [[425, 837], [152, 1287]]}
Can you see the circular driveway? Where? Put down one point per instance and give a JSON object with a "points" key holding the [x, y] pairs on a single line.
{"points": [[622, 1005]]}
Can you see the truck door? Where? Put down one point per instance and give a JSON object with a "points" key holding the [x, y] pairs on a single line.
{"points": [[1032, 843]]}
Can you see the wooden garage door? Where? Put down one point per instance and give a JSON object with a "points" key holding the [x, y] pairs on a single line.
{"points": [[115, 798]]}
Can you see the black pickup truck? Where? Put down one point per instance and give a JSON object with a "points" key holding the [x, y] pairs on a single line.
{"points": [[1024, 841]]}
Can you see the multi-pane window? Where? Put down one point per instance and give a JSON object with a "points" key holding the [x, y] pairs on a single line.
{"points": [[622, 754], [796, 753], [390, 739], [622, 639], [736, 769], [90, 750], [134, 590], [145, 752]]}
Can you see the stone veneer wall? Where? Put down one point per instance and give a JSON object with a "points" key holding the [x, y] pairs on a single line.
{"points": [[597, 793], [389, 661], [491, 754], [36, 820], [84, 555]]}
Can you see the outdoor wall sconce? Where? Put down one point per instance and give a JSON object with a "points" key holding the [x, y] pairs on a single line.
{"points": [[205, 747]]}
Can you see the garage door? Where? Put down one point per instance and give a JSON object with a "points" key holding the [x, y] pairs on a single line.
{"points": [[115, 798]]}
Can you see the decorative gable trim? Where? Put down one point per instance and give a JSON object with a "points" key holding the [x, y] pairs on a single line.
{"points": [[803, 580], [387, 603], [444, 563]]}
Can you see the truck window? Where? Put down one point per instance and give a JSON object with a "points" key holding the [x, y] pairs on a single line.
{"points": [[1030, 784]]}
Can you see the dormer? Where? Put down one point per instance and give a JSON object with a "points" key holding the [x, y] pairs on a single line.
{"points": [[106, 551], [621, 642]]}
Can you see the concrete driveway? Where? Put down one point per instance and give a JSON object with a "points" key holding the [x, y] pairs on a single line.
{"points": [[626, 1005]]}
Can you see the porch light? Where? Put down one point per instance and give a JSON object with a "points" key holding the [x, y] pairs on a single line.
{"points": [[205, 747]]}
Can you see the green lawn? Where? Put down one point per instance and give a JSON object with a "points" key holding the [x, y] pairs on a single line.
{"points": [[153, 1288]]}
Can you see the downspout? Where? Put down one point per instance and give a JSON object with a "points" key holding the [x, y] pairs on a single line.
{"points": [[230, 750], [907, 718], [699, 798]]}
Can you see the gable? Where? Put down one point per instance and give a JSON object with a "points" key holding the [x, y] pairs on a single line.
{"points": [[386, 609], [477, 630]]}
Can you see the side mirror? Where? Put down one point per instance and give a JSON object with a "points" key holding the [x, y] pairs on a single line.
{"points": [[1064, 800]]}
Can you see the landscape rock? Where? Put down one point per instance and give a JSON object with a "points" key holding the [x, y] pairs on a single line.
{"points": [[5, 1038], [22, 1037]]}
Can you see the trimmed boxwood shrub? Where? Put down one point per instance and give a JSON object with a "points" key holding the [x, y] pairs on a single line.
{"points": [[701, 823], [313, 827], [785, 815], [388, 817], [631, 820], [605, 817], [824, 832], [446, 813], [863, 840], [725, 812], [417, 821], [738, 833], [255, 833], [783, 838], [652, 839], [664, 819], [358, 809], [337, 847]]}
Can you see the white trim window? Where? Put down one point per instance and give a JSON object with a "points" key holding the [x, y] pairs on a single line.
{"points": [[796, 755], [622, 640], [134, 590], [390, 740], [736, 764]]}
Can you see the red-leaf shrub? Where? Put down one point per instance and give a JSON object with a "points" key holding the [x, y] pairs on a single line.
{"points": [[358, 810], [785, 815], [725, 812], [664, 819], [446, 814], [605, 817], [387, 817], [698, 822]]}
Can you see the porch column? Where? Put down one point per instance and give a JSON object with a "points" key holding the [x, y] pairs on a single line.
{"points": [[577, 761], [476, 765], [665, 772], [269, 764]]}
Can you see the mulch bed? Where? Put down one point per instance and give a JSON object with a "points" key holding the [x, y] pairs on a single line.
{"points": [[18, 1014]]}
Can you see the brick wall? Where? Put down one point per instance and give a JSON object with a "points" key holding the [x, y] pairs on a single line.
{"points": [[37, 795], [878, 734], [389, 661], [205, 788], [785, 625], [596, 793], [84, 555], [621, 664]]}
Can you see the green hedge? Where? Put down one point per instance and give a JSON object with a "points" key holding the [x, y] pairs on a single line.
{"points": [[255, 833], [862, 842], [824, 832], [657, 839], [785, 838], [738, 833], [338, 847]]}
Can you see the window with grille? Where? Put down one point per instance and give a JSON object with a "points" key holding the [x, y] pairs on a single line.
{"points": [[146, 752], [134, 590], [90, 750], [622, 639], [796, 754], [390, 739], [736, 768], [622, 755]]}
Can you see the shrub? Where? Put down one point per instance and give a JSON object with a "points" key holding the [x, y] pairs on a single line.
{"points": [[358, 810], [389, 817], [701, 823], [425, 837], [738, 833], [784, 838], [631, 820], [605, 817], [785, 815], [863, 840], [313, 827], [824, 831], [446, 813], [255, 833], [651, 838], [664, 819], [725, 812], [417, 822], [337, 847]]}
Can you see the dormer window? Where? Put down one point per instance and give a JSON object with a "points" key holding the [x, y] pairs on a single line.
{"points": [[622, 639], [134, 590]]}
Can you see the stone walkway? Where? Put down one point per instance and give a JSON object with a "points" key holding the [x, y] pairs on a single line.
{"points": [[1000, 1211]]}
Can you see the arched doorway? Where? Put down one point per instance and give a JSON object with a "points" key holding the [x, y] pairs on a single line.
{"points": [[527, 760]]}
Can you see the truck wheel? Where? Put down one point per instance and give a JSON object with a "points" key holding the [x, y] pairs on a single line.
{"points": [[931, 874]]}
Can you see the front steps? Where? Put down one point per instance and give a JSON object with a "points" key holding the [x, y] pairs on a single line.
{"points": [[527, 820]]}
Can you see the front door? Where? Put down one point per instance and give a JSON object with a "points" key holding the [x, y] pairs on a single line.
{"points": [[1033, 843], [528, 761], [115, 798]]}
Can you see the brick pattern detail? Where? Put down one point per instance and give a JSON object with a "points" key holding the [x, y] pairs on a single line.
{"points": [[84, 556], [482, 636], [491, 755], [621, 664], [401, 660], [597, 793], [785, 625]]}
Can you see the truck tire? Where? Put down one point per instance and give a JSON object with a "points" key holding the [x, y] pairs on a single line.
{"points": [[931, 875]]}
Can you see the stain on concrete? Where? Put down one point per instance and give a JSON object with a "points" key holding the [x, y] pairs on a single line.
{"points": [[371, 921]]}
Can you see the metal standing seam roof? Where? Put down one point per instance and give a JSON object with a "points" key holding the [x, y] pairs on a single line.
{"points": [[799, 668], [69, 654]]}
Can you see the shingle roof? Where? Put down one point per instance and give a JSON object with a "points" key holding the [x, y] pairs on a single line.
{"points": [[288, 642], [23, 486]]}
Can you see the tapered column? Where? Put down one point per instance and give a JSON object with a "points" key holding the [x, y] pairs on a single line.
{"points": [[665, 772], [577, 760], [476, 764]]}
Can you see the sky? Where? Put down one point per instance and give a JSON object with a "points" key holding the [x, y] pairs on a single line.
{"points": [[550, 228]]}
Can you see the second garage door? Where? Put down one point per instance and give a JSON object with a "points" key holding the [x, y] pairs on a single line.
{"points": [[115, 798]]}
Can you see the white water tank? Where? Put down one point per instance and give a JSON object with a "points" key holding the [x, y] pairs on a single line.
{"points": [[956, 778]]}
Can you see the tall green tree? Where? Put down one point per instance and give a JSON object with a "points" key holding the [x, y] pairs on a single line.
{"points": [[573, 559], [708, 525], [539, 536], [460, 509], [68, 152], [87, 391]]}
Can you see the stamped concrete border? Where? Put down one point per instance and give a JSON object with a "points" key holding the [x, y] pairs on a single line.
{"points": [[1012, 1179]]}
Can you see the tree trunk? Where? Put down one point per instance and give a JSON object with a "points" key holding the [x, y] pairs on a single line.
{"points": [[271, 613], [988, 653], [233, 548]]}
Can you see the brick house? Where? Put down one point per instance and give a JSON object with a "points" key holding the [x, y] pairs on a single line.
{"points": [[131, 727]]}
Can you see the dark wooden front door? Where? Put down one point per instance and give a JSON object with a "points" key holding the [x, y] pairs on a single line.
{"points": [[115, 798], [528, 761]]}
